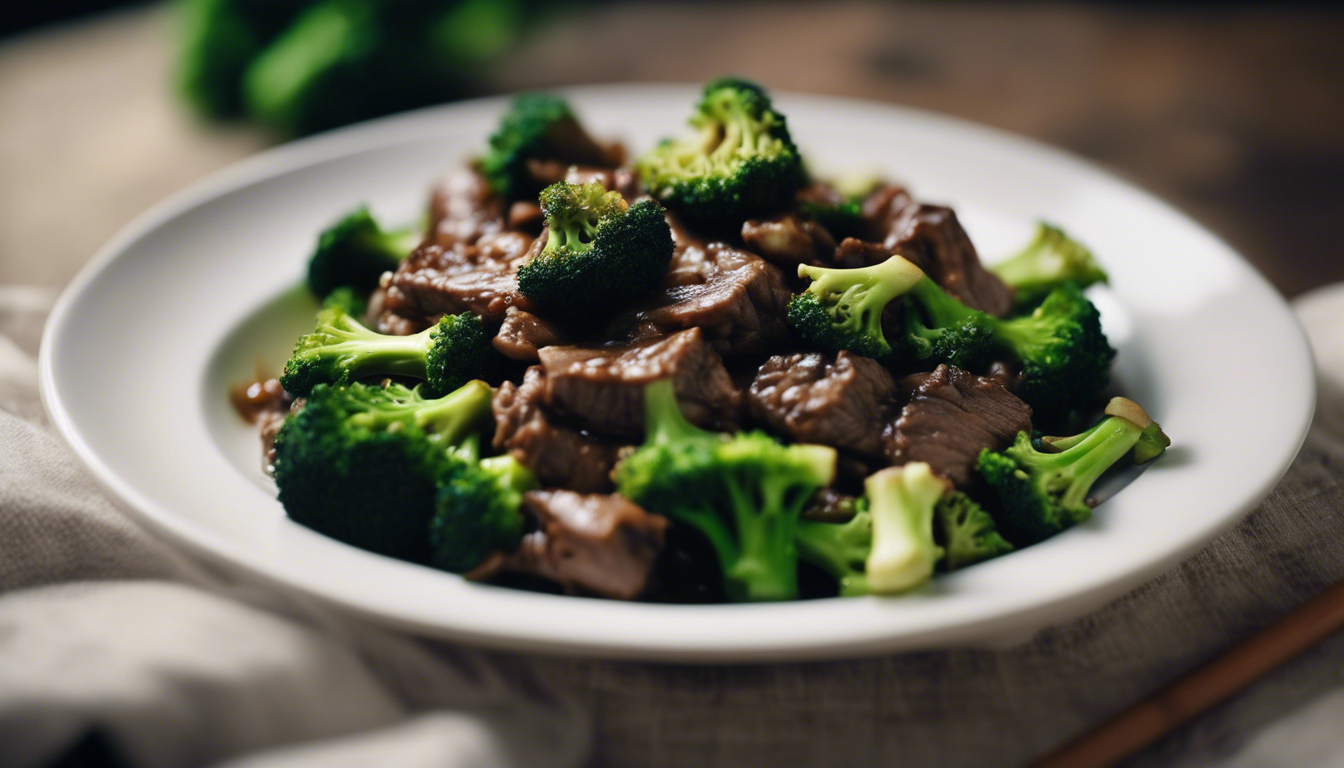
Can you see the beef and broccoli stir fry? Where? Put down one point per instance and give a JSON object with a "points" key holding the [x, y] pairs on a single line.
{"points": [[701, 375]]}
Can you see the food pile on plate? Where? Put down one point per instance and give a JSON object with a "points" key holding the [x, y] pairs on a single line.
{"points": [[702, 376]]}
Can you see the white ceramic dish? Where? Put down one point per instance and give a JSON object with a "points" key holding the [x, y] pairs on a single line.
{"points": [[142, 347]]}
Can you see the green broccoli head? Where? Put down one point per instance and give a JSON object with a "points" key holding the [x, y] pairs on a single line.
{"points": [[520, 136], [341, 350], [220, 38], [355, 252], [966, 531], [361, 464], [740, 162], [967, 343], [743, 492], [317, 73], [842, 308], [460, 351], [478, 511], [1042, 493], [840, 549], [340, 61], [1051, 259], [537, 126], [1065, 357], [600, 252]]}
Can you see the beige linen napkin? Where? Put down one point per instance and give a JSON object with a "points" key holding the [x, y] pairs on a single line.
{"points": [[114, 647], [110, 643]]}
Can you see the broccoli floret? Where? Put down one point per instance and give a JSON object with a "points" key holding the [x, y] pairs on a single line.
{"points": [[916, 513], [842, 308], [1050, 259], [362, 464], [537, 126], [355, 252], [220, 38], [1042, 493], [739, 163], [341, 350], [743, 492], [839, 549], [1065, 357], [967, 532], [967, 344], [478, 511], [318, 73], [341, 61], [521, 136], [600, 252]]}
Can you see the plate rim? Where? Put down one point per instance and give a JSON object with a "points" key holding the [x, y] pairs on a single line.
{"points": [[390, 130]]}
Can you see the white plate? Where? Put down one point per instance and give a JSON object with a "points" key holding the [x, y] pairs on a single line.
{"points": [[142, 347]]}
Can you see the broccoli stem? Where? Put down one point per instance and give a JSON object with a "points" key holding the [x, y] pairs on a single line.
{"points": [[767, 564], [1023, 335], [575, 234], [839, 549], [663, 420], [1018, 336], [940, 308], [1085, 460], [901, 501], [364, 351], [448, 419], [705, 520]]}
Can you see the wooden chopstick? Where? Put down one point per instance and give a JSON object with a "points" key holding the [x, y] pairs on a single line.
{"points": [[1200, 690]]}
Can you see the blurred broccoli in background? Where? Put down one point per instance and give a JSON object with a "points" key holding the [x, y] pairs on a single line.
{"points": [[300, 66], [220, 38]]}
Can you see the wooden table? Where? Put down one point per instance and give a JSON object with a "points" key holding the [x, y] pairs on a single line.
{"points": [[1236, 115]]}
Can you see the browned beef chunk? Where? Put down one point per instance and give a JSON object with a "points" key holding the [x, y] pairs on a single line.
{"points": [[820, 193], [469, 262], [557, 455], [931, 237], [602, 388], [522, 334], [526, 216], [548, 172], [567, 144], [464, 208], [266, 404], [735, 297], [604, 545], [844, 401], [789, 240], [853, 253], [882, 206], [1006, 372], [480, 278], [624, 180], [950, 416]]}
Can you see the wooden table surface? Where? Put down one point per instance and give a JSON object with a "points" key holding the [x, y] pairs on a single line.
{"points": [[1236, 115]]}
